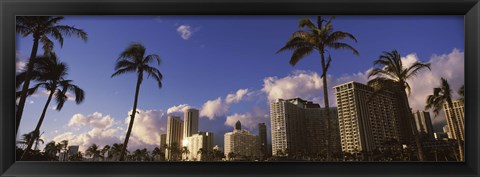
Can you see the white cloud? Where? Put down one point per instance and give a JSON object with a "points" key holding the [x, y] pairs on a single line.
{"points": [[237, 97], [20, 66], [101, 137], [96, 120], [213, 108], [147, 127], [179, 109], [248, 120], [185, 31], [304, 84], [31, 102]]}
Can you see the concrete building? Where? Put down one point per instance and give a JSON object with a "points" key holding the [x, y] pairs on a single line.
{"points": [[242, 143], [202, 141], [458, 112], [163, 142], [446, 130], [262, 134], [190, 122], [423, 124], [174, 137], [299, 127], [366, 122]]}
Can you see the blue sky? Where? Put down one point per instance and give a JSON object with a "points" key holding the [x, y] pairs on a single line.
{"points": [[227, 67]]}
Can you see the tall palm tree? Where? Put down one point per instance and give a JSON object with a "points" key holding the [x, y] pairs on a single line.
{"points": [[133, 59], [42, 29], [320, 37], [156, 153], [116, 150], [104, 150], [51, 150], [443, 95], [52, 78], [389, 68], [93, 151], [185, 151]]}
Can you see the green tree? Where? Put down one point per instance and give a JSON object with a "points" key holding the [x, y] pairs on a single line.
{"points": [[320, 37], [106, 149], [157, 153], [42, 29], [133, 59], [389, 68], [93, 151], [53, 78], [51, 150], [443, 95]]}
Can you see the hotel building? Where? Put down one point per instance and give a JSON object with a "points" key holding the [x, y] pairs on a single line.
{"points": [[196, 143], [190, 119], [242, 143], [174, 136], [458, 112], [423, 124], [262, 134], [365, 122]]}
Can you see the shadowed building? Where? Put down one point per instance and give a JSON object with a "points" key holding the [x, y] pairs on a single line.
{"points": [[190, 121], [262, 134], [174, 137], [423, 124]]}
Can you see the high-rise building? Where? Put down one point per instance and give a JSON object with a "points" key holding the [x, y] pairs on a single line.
{"points": [[298, 127], [458, 112], [447, 131], [262, 134], [190, 122], [174, 137], [163, 142], [423, 124], [241, 143], [366, 122], [198, 145]]}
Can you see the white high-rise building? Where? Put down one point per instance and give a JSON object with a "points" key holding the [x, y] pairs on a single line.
{"points": [[241, 143], [459, 114], [190, 122], [365, 122], [174, 137], [198, 145]]}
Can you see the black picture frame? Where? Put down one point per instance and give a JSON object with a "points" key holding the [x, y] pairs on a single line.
{"points": [[9, 9]]}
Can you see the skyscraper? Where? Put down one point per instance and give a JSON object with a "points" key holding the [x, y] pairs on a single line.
{"points": [[365, 122], [262, 134], [241, 143], [163, 141], [297, 127], [190, 118], [423, 124], [174, 137], [458, 112]]}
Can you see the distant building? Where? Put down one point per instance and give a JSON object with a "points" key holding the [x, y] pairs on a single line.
{"points": [[63, 156], [262, 134], [198, 145], [459, 114], [190, 122], [72, 150], [440, 136], [163, 142], [423, 124], [446, 130], [366, 122], [174, 137], [298, 127], [241, 143]]}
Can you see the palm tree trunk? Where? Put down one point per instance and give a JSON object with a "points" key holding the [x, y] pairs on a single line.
{"points": [[26, 84], [327, 107], [409, 117], [39, 124], [132, 117], [457, 130]]}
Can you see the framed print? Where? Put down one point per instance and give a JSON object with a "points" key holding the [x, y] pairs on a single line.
{"points": [[239, 88]]}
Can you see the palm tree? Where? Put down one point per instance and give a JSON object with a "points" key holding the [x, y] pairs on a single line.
{"points": [[389, 68], [133, 59], [104, 150], [52, 78], [321, 38], [156, 153], [443, 95], [116, 149], [185, 151], [51, 150], [93, 151], [42, 29]]}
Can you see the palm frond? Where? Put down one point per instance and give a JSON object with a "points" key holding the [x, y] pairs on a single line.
{"points": [[413, 70], [155, 73], [60, 98], [306, 22], [134, 51], [339, 35], [123, 71], [124, 64], [340, 45], [153, 57], [299, 53], [47, 44], [69, 31]]}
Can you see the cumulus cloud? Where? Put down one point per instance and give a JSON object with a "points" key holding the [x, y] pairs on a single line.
{"points": [[248, 120], [237, 96], [99, 136], [96, 120], [214, 108], [179, 109], [303, 84], [147, 127], [185, 31], [20, 66]]}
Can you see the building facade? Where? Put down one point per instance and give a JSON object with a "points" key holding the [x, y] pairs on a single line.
{"points": [[366, 122], [262, 135], [458, 112], [174, 137], [423, 124], [190, 122], [198, 146], [241, 144]]}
